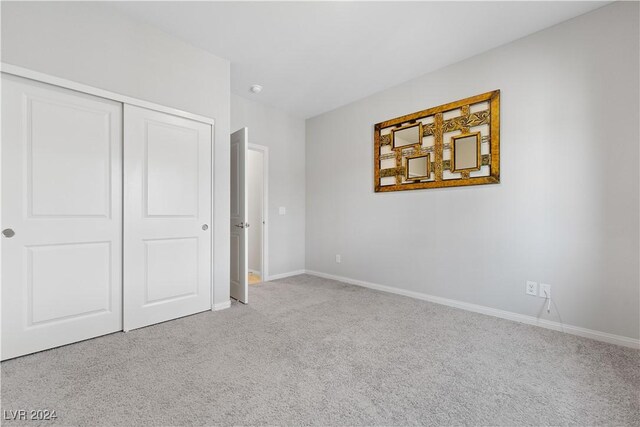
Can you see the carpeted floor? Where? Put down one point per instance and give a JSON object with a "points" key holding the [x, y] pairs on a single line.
{"points": [[315, 351]]}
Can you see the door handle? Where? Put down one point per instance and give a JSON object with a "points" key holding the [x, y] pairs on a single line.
{"points": [[205, 227], [8, 233], [241, 225]]}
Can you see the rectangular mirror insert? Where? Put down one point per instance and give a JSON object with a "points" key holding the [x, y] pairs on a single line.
{"points": [[407, 135], [418, 167], [465, 152]]}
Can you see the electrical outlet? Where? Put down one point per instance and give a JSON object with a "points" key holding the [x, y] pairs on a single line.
{"points": [[532, 288], [545, 290], [338, 259]]}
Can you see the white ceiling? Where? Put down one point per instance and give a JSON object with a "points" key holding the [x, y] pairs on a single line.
{"points": [[312, 57]]}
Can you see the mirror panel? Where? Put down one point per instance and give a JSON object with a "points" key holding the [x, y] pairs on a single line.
{"points": [[418, 167], [407, 135], [465, 152]]}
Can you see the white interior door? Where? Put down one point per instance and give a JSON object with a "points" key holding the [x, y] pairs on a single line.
{"points": [[239, 225], [167, 217], [61, 216]]}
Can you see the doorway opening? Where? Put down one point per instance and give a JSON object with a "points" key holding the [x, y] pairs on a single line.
{"points": [[257, 197]]}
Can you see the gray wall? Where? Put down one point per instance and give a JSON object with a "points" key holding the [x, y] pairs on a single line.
{"points": [[566, 212], [89, 43], [285, 136]]}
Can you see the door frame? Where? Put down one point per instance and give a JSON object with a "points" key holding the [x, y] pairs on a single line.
{"points": [[69, 84], [264, 262]]}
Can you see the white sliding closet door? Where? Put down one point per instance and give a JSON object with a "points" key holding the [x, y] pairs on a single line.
{"points": [[61, 216], [167, 217]]}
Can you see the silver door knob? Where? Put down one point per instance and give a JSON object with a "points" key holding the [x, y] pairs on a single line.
{"points": [[241, 225], [8, 233], [246, 224], [205, 227]]}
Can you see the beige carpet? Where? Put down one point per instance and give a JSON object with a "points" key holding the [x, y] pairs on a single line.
{"points": [[314, 351]]}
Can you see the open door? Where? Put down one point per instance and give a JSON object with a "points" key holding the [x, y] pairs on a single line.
{"points": [[239, 224]]}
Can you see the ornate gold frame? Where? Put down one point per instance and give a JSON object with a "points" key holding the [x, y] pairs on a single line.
{"points": [[452, 168], [404, 147], [464, 122], [406, 169]]}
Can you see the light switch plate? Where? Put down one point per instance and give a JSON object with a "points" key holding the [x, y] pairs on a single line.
{"points": [[532, 288], [545, 290]]}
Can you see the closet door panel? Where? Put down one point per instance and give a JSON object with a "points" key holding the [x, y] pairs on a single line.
{"points": [[61, 216], [167, 267]]}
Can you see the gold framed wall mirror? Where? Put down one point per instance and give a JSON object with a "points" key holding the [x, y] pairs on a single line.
{"points": [[454, 144], [418, 167], [406, 135], [466, 152]]}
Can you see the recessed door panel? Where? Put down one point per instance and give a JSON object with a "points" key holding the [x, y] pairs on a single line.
{"points": [[172, 161], [236, 276], [62, 199], [172, 269], [65, 141], [167, 217], [59, 290]]}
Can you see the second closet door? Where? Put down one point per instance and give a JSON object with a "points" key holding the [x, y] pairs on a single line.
{"points": [[167, 217]]}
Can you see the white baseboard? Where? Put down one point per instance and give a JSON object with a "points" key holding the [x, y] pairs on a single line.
{"points": [[503, 314], [283, 275], [221, 305]]}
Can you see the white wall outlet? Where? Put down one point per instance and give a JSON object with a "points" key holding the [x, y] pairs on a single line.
{"points": [[545, 290], [532, 288], [338, 259], [282, 210]]}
